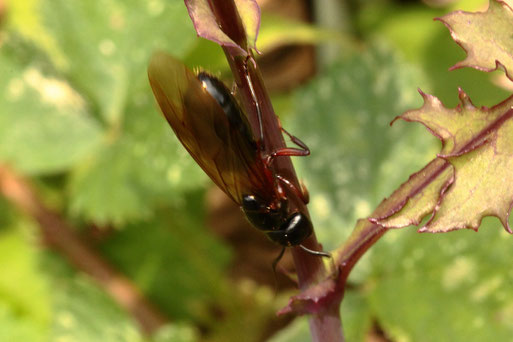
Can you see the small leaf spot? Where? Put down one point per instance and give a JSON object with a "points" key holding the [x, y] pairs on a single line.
{"points": [[174, 174], [155, 7], [15, 89], [107, 47], [66, 320], [460, 271]]}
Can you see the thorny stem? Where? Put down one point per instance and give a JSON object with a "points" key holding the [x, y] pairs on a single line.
{"points": [[325, 325], [59, 235]]}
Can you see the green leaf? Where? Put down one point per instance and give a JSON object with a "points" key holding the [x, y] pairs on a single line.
{"points": [[107, 61], [143, 168], [476, 143], [139, 164], [432, 49], [21, 281], [485, 36], [175, 333], [106, 192], [444, 287], [166, 258], [15, 328], [44, 124], [356, 158], [85, 313], [416, 197], [25, 307]]}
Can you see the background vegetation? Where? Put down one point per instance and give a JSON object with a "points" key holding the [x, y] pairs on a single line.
{"points": [[78, 120]]}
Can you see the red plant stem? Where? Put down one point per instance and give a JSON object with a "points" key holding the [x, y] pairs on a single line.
{"points": [[59, 235], [310, 269], [250, 84], [361, 239], [326, 324]]}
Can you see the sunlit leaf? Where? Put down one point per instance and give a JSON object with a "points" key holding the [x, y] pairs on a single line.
{"points": [[105, 60], [44, 123], [85, 313], [175, 333], [16, 328], [485, 36], [25, 304], [444, 287], [144, 167], [477, 144]]}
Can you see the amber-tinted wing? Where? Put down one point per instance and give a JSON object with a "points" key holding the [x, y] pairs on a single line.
{"points": [[226, 153]]}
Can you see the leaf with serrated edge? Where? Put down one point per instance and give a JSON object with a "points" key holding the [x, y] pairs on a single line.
{"points": [[415, 198], [485, 36], [477, 143]]}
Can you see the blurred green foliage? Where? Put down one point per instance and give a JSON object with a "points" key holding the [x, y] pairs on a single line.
{"points": [[77, 115]]}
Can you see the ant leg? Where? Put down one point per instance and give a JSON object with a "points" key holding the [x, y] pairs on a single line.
{"points": [[297, 141], [254, 98], [302, 151], [301, 193]]}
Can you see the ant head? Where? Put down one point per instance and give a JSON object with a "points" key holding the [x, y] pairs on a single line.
{"points": [[293, 231]]}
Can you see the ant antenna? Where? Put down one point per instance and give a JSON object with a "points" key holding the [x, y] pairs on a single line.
{"points": [[320, 254], [317, 253], [255, 99]]}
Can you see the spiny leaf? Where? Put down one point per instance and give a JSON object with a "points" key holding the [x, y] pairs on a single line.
{"points": [[477, 144], [485, 36], [415, 198]]}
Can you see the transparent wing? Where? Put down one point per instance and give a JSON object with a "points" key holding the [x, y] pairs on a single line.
{"points": [[224, 151]]}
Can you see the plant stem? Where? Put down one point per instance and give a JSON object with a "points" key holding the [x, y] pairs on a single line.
{"points": [[364, 235], [325, 325]]}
